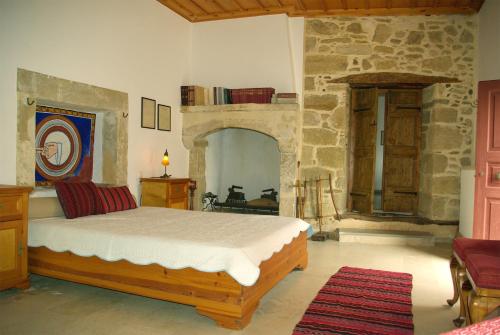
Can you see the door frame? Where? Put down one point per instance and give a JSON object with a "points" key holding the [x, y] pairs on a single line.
{"points": [[351, 147], [481, 228], [352, 134]]}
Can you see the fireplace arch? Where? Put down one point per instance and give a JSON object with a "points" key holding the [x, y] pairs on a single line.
{"points": [[277, 121]]}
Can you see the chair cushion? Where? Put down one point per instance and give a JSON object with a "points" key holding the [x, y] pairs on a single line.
{"points": [[484, 270], [465, 246], [78, 199], [114, 199]]}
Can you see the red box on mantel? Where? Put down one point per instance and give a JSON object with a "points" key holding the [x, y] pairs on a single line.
{"points": [[252, 95]]}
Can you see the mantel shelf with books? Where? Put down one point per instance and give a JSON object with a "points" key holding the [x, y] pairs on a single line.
{"points": [[240, 108]]}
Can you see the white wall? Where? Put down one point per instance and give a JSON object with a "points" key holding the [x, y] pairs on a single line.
{"points": [[489, 40], [244, 158], [265, 51], [139, 47]]}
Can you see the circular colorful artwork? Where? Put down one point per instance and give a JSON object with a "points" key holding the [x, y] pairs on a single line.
{"points": [[58, 147]]}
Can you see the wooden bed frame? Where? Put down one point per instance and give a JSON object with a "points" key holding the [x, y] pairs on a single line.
{"points": [[214, 294]]}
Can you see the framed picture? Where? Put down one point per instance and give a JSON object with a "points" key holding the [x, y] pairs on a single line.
{"points": [[164, 118], [148, 115]]}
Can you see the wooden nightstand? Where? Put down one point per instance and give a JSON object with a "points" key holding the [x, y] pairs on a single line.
{"points": [[165, 192], [14, 236]]}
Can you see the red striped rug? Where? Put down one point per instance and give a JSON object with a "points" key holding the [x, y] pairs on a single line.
{"points": [[361, 301]]}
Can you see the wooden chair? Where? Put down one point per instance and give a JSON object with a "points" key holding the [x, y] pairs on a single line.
{"points": [[462, 248], [483, 273]]}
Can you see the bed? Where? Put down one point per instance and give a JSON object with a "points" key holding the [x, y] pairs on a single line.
{"points": [[220, 263]]}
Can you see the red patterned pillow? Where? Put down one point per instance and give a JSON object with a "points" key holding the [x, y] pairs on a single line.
{"points": [[78, 199], [114, 199]]}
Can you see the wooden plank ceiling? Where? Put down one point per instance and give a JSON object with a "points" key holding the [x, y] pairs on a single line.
{"points": [[208, 10]]}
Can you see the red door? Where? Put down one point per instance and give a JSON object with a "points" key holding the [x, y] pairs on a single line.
{"points": [[487, 195]]}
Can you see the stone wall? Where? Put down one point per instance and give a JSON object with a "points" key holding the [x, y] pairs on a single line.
{"points": [[423, 45]]}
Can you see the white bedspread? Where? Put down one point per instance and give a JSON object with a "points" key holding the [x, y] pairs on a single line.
{"points": [[173, 238]]}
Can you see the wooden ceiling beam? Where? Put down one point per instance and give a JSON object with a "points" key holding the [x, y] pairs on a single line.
{"points": [[197, 10], [237, 3], [219, 5], [385, 11], [197, 5], [477, 4], [324, 5], [261, 5], [301, 5], [245, 13], [179, 9]]}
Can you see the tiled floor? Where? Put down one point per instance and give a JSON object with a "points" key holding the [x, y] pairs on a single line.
{"points": [[59, 307]]}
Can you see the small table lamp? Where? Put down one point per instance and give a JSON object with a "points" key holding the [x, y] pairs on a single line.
{"points": [[165, 162]]}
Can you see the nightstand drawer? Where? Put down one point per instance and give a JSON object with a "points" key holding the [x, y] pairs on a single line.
{"points": [[178, 190], [11, 207]]}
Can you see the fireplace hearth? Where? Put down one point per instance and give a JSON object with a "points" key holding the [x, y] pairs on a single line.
{"points": [[236, 202]]}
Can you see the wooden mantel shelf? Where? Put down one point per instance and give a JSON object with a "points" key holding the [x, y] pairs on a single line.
{"points": [[240, 108]]}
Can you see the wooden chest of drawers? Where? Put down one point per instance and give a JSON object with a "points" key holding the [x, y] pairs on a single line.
{"points": [[165, 192], [14, 236]]}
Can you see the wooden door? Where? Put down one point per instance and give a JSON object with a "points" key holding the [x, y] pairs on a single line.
{"points": [[10, 255], [401, 151], [487, 195], [364, 131]]}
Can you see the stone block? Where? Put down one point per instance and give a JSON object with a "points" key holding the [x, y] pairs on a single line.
{"points": [[445, 137], [444, 114], [438, 64], [310, 43], [366, 64], [435, 36], [465, 162], [321, 102], [319, 136], [325, 64], [309, 84], [337, 119], [354, 49], [321, 27], [383, 49], [385, 64], [314, 172], [451, 30], [446, 185], [439, 163], [415, 37], [354, 28], [332, 157], [382, 33], [438, 208], [311, 118], [466, 37], [307, 155]]}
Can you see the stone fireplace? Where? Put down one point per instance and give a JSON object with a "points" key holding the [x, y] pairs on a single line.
{"points": [[281, 122]]}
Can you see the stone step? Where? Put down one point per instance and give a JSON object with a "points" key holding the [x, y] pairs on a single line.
{"points": [[385, 237]]}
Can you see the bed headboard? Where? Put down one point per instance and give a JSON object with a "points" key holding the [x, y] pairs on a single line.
{"points": [[44, 207]]}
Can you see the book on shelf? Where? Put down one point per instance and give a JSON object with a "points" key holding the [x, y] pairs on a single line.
{"points": [[194, 95], [287, 95], [285, 98], [222, 96], [260, 95]]}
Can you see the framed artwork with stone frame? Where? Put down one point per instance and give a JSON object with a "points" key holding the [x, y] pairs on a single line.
{"points": [[164, 118], [148, 113], [64, 145]]}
